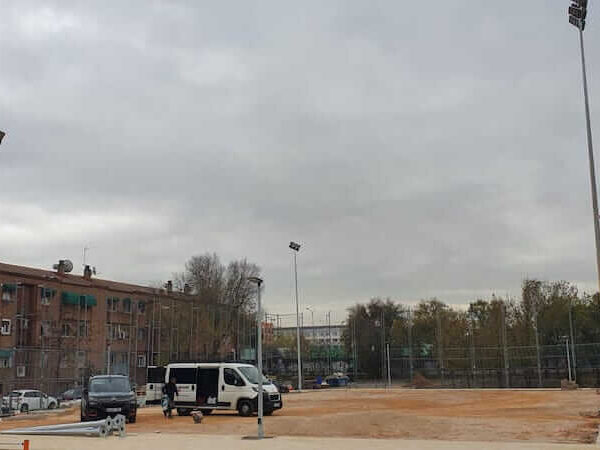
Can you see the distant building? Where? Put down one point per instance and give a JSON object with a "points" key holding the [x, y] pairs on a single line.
{"points": [[319, 335]]}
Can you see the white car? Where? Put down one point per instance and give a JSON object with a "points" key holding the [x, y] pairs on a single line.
{"points": [[29, 400]]}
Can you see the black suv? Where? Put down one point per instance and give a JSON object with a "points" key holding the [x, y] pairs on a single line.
{"points": [[108, 395]]}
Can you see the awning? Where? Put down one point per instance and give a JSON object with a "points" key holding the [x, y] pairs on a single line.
{"points": [[9, 287], [72, 298]]}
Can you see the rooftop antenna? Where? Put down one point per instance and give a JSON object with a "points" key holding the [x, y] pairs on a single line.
{"points": [[85, 250]]}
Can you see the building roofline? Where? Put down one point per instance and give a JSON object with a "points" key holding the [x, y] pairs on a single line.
{"points": [[42, 275]]}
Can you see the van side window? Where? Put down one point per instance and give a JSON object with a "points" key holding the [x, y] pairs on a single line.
{"points": [[183, 375], [232, 378]]}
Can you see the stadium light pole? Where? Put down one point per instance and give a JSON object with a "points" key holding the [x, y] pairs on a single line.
{"points": [[261, 430], [296, 248], [577, 15], [312, 315]]}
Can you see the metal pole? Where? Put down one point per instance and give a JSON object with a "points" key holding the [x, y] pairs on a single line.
{"points": [[389, 371], [410, 348], [108, 364], [506, 373], [537, 347], [572, 341], [568, 358], [590, 156], [329, 341], [261, 431], [298, 327]]}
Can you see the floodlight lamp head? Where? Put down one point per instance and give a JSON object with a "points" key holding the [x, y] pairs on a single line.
{"points": [[255, 280]]}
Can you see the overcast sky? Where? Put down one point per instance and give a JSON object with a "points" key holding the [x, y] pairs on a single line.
{"points": [[414, 149]]}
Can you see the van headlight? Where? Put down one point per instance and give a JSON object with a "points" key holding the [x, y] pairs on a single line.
{"points": [[254, 388]]}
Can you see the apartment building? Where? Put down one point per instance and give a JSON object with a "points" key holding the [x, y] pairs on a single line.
{"points": [[58, 328]]}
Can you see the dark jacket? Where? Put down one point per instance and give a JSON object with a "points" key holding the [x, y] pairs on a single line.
{"points": [[171, 390]]}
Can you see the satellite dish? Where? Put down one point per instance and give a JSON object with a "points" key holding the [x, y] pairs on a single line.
{"points": [[68, 265]]}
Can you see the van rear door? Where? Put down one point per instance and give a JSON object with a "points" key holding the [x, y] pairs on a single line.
{"points": [[185, 378]]}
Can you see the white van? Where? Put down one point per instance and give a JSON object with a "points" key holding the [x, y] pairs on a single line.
{"points": [[221, 386], [155, 381]]}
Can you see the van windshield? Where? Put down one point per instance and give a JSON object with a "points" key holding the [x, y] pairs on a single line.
{"points": [[251, 373]]}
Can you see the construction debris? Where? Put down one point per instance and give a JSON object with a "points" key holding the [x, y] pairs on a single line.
{"points": [[98, 428], [567, 385]]}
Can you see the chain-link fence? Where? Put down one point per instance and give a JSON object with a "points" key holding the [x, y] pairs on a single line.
{"points": [[500, 343]]}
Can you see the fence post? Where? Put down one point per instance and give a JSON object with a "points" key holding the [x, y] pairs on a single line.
{"points": [[537, 345], [440, 349], [572, 340], [506, 374], [410, 349], [473, 363]]}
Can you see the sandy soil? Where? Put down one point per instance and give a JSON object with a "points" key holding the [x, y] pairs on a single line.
{"points": [[473, 415]]}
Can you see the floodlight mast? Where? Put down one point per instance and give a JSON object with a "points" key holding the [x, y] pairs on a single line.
{"points": [[296, 248], [577, 15]]}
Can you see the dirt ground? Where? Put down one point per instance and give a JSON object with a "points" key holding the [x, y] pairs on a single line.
{"points": [[470, 415]]}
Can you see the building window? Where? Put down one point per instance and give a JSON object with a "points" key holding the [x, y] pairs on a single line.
{"points": [[9, 291], [46, 328], [81, 358], [66, 330], [141, 307], [5, 363], [141, 360], [84, 328], [46, 294], [112, 304], [5, 329], [127, 305], [141, 335], [44, 360]]}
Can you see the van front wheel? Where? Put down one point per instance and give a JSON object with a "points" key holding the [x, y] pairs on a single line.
{"points": [[245, 408]]}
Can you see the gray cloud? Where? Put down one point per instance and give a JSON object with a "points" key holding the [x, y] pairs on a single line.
{"points": [[415, 150]]}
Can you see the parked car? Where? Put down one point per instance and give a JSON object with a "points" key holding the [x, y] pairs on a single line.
{"points": [[283, 388], [108, 395], [26, 400], [71, 394], [337, 379]]}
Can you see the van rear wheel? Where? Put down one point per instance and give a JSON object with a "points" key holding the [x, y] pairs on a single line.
{"points": [[245, 408], [183, 411]]}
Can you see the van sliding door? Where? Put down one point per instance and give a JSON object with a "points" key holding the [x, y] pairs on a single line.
{"points": [[208, 387], [186, 385]]}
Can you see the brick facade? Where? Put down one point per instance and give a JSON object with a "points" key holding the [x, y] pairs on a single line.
{"points": [[58, 328]]}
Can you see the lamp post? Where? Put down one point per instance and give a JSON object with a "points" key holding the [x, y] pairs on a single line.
{"points": [[577, 15], [261, 431], [296, 248], [312, 319]]}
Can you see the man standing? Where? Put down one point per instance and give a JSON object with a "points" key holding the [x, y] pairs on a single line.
{"points": [[170, 391]]}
